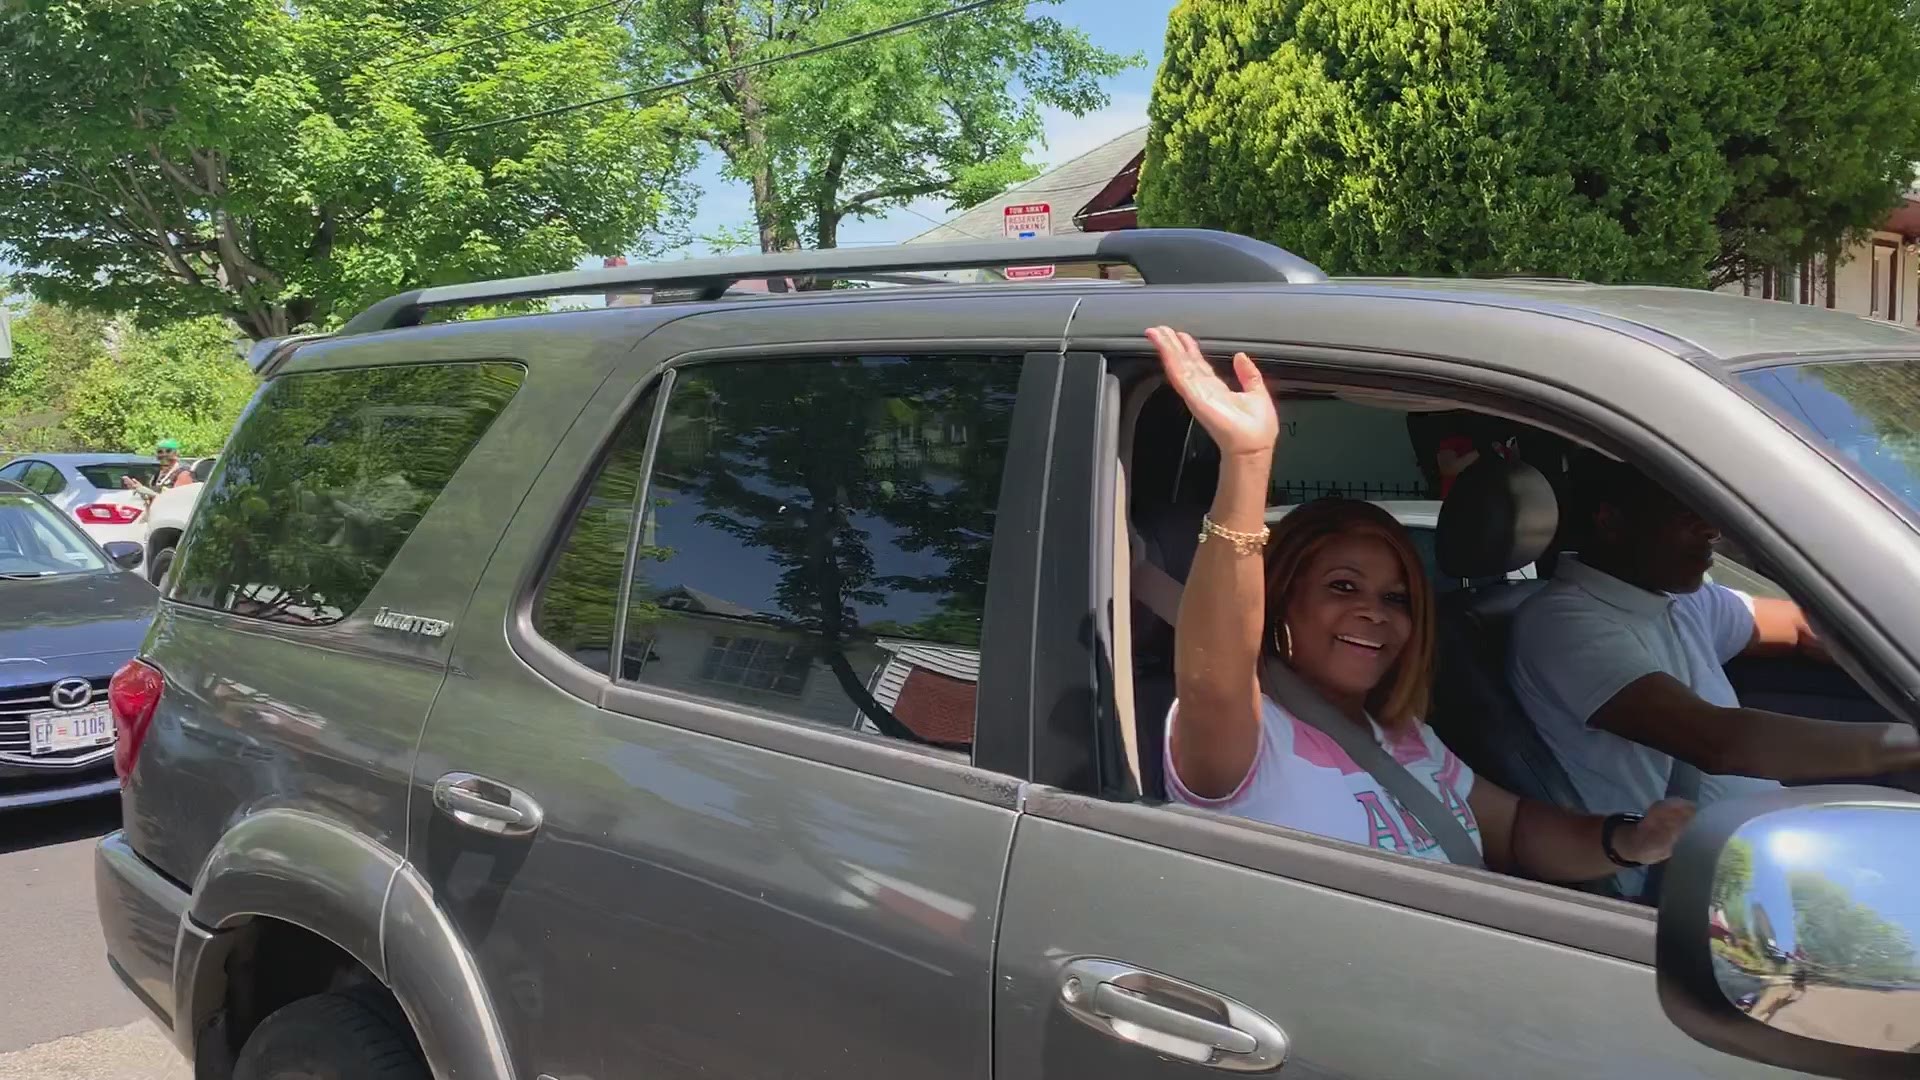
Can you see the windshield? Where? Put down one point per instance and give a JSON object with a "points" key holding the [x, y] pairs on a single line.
{"points": [[108, 477], [1866, 411], [35, 541]]}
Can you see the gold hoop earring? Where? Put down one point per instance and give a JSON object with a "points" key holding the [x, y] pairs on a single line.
{"points": [[1283, 647]]}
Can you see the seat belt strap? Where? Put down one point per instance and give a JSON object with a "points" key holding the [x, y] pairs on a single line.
{"points": [[1288, 691]]}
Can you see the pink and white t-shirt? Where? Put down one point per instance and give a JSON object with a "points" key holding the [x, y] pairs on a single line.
{"points": [[1301, 779]]}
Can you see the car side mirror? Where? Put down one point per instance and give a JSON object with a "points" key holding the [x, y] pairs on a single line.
{"points": [[126, 554], [1790, 930]]}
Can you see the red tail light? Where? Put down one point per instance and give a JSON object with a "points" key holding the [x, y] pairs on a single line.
{"points": [[132, 695], [108, 514]]}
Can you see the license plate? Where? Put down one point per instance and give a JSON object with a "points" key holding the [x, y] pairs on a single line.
{"points": [[52, 731]]}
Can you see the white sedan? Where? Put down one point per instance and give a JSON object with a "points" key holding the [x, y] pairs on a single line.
{"points": [[87, 487]]}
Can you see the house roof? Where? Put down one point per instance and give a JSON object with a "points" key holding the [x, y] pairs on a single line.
{"points": [[953, 662], [706, 603], [1067, 189], [1905, 218]]}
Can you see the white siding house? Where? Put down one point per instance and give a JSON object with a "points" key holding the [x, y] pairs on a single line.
{"points": [[1878, 278]]}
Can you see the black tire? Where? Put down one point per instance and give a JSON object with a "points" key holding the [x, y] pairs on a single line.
{"points": [[162, 562], [351, 1036]]}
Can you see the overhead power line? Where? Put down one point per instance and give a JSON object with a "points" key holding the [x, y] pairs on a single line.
{"points": [[891, 30]]}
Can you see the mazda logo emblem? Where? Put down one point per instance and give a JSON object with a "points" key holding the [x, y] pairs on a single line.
{"points": [[72, 693]]}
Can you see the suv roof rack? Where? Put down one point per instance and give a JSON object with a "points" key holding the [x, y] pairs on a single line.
{"points": [[267, 352], [1162, 257]]}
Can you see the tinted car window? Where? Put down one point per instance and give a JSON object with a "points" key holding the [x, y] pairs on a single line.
{"points": [[325, 478], [108, 477], [37, 541], [816, 536], [580, 599], [44, 479], [1867, 412]]}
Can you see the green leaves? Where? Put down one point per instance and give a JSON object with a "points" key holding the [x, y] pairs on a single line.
{"points": [[1822, 129], [1838, 933], [283, 166], [183, 381], [1599, 139], [53, 348], [81, 381]]}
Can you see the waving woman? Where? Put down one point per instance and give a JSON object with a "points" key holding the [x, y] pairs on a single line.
{"points": [[1337, 594]]}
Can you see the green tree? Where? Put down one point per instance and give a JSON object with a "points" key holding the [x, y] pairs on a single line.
{"points": [[579, 599], [1733, 877], [53, 348], [1836, 932], [322, 483], [1885, 396], [852, 133], [282, 165], [817, 464], [1819, 122], [185, 380], [1600, 139]]}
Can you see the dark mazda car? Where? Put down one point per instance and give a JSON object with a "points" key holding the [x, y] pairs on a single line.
{"points": [[71, 613]]}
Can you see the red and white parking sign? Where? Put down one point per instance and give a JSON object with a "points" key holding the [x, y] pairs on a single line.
{"points": [[1027, 221]]}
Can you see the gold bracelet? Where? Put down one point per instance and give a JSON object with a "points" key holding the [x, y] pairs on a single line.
{"points": [[1244, 543]]}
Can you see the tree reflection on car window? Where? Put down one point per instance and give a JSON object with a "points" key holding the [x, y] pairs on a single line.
{"points": [[1866, 412], [827, 523]]}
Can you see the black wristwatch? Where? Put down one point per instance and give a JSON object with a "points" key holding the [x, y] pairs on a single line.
{"points": [[1612, 825]]}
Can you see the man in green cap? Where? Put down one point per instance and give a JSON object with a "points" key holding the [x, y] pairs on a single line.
{"points": [[172, 472]]}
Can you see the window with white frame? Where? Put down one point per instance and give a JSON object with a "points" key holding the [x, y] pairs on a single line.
{"points": [[757, 664]]}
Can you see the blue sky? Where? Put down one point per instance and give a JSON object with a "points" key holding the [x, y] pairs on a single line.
{"points": [[1125, 26], [1857, 848]]}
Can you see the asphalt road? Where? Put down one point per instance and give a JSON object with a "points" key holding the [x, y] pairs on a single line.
{"points": [[63, 1016]]}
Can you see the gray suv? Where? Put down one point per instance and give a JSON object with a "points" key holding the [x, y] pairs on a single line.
{"points": [[751, 686]]}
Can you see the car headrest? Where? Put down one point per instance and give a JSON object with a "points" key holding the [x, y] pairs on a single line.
{"points": [[1499, 516]]}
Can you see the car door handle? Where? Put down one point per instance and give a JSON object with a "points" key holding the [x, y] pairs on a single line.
{"points": [[486, 805], [1170, 1017]]}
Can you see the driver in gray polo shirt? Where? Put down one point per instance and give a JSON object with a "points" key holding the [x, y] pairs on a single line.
{"points": [[1618, 663]]}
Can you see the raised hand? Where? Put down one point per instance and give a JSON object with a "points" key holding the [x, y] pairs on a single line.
{"points": [[1242, 422]]}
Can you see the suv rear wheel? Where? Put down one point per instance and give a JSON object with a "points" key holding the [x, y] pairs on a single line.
{"points": [[352, 1036]]}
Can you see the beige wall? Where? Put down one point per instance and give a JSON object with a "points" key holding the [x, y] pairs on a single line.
{"points": [[1852, 281]]}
